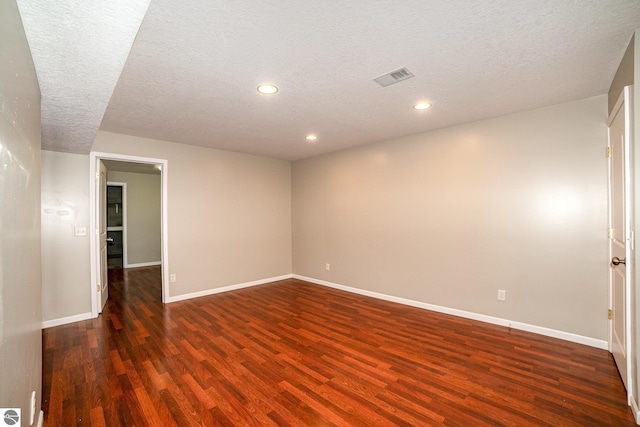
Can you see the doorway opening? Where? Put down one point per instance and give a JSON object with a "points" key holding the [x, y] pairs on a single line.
{"points": [[116, 224], [101, 209]]}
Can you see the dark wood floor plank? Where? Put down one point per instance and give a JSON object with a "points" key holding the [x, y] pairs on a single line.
{"points": [[291, 353]]}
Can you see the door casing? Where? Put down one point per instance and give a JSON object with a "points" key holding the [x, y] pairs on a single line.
{"points": [[94, 250]]}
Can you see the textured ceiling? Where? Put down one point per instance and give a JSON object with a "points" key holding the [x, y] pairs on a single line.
{"points": [[79, 48], [192, 72]]}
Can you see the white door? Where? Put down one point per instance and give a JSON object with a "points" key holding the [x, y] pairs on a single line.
{"points": [[620, 236], [103, 286]]}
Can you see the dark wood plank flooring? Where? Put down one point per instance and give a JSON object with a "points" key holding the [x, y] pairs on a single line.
{"points": [[292, 353]]}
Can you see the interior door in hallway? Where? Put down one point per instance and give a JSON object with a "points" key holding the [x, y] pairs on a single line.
{"points": [[619, 236]]}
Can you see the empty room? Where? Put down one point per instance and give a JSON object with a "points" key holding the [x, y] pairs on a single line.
{"points": [[286, 213]]}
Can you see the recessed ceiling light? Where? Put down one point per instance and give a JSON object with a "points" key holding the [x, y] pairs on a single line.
{"points": [[267, 89], [311, 137], [422, 106]]}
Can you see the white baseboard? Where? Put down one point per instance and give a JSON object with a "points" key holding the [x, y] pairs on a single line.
{"points": [[226, 288], [567, 336], [634, 409], [40, 419], [64, 320], [143, 264]]}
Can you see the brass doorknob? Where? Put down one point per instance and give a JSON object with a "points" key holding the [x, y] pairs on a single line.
{"points": [[617, 261]]}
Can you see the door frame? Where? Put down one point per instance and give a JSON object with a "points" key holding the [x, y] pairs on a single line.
{"points": [[94, 158], [624, 101]]}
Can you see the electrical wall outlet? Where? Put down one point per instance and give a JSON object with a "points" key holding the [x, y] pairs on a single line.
{"points": [[502, 294], [172, 278], [327, 267]]}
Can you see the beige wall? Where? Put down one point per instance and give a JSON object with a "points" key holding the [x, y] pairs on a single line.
{"points": [[623, 76], [143, 207], [449, 217], [20, 286], [65, 257], [229, 214]]}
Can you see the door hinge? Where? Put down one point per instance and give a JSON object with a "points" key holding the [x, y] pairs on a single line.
{"points": [[608, 152], [609, 233], [98, 289], [610, 315]]}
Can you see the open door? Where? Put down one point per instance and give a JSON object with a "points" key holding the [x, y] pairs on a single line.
{"points": [[103, 286], [620, 236]]}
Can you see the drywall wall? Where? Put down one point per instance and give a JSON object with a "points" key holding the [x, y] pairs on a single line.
{"points": [[449, 217], [229, 214], [20, 286], [143, 206], [65, 256]]}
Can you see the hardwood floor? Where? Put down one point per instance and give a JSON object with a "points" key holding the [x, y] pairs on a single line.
{"points": [[292, 353]]}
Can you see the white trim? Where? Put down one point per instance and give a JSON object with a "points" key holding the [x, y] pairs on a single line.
{"points": [[94, 157], [65, 320], [93, 252], [227, 288], [609, 220], [629, 200], [567, 336], [124, 219], [634, 409], [143, 264], [40, 418]]}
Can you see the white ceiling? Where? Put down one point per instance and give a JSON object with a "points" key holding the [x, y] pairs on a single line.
{"points": [[192, 71], [79, 48]]}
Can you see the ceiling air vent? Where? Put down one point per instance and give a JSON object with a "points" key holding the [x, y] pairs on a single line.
{"points": [[394, 77]]}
